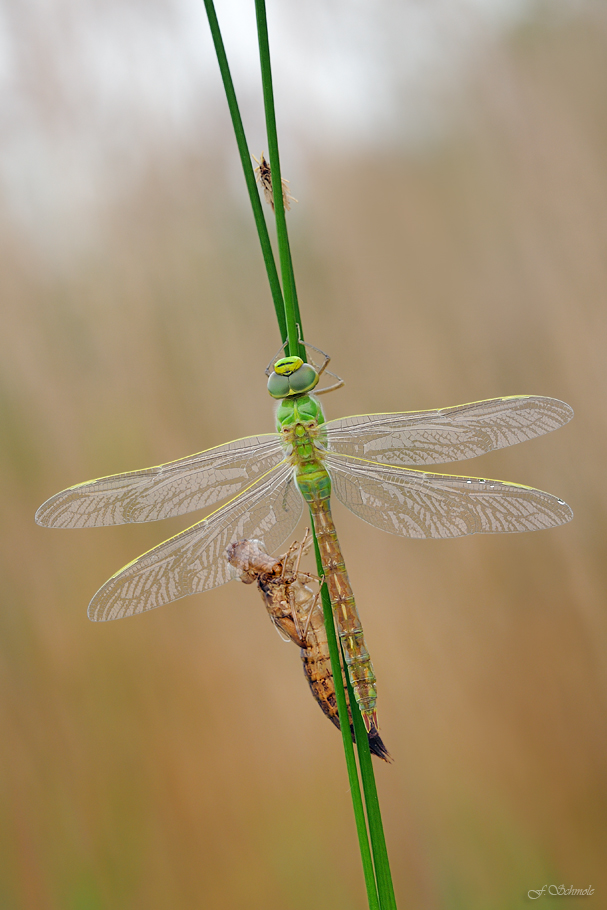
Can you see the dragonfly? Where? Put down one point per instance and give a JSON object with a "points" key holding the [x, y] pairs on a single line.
{"points": [[371, 463], [294, 609]]}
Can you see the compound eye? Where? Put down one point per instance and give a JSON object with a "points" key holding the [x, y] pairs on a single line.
{"points": [[278, 386], [304, 379]]}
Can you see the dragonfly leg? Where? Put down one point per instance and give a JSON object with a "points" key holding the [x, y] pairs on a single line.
{"points": [[287, 558], [321, 369], [294, 617], [312, 608], [303, 546], [331, 388], [321, 582], [270, 366], [309, 576], [307, 344]]}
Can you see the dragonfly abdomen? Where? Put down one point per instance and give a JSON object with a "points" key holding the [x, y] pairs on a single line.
{"points": [[314, 484], [317, 669], [347, 620], [296, 613]]}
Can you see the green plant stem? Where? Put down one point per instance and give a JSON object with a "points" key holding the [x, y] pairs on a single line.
{"points": [[385, 887], [344, 723], [380, 894], [247, 167], [380, 890], [293, 318]]}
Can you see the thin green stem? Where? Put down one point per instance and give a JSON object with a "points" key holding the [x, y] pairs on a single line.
{"points": [[344, 723], [385, 887], [249, 174], [380, 890], [380, 894], [293, 317]]}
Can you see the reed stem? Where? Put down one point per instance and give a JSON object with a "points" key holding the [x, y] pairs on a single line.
{"points": [[247, 167], [385, 887], [346, 735], [293, 318], [376, 868]]}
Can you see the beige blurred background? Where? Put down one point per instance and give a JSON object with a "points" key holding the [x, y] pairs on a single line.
{"points": [[454, 251]]}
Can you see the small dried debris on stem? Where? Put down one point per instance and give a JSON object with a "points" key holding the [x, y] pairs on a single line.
{"points": [[264, 179]]}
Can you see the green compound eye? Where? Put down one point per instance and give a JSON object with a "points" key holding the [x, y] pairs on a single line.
{"points": [[303, 380], [289, 380], [278, 386]]}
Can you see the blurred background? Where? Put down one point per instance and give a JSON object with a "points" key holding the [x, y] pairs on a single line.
{"points": [[450, 245]]}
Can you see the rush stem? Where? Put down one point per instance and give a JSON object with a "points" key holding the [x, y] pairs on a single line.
{"points": [[293, 318], [346, 735], [385, 887], [249, 174], [380, 894]]}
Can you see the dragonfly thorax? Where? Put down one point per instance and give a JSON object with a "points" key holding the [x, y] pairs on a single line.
{"points": [[304, 410], [299, 422]]}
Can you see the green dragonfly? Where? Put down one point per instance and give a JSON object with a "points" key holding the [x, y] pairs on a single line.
{"points": [[371, 464]]}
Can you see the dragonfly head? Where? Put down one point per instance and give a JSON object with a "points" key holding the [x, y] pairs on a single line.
{"points": [[291, 376]]}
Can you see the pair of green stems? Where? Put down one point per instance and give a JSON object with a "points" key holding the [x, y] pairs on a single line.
{"points": [[374, 855]]}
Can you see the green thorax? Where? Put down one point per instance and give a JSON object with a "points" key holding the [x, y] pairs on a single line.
{"points": [[303, 410], [299, 422]]}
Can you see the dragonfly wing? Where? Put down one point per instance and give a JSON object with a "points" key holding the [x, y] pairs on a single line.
{"points": [[419, 504], [175, 488], [194, 560], [449, 434]]}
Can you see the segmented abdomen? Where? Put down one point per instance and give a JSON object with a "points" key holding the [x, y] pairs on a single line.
{"points": [[317, 670], [296, 612], [315, 487]]}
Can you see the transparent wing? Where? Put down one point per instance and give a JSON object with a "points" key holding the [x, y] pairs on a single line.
{"points": [[194, 560], [419, 504], [175, 488], [449, 434]]}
